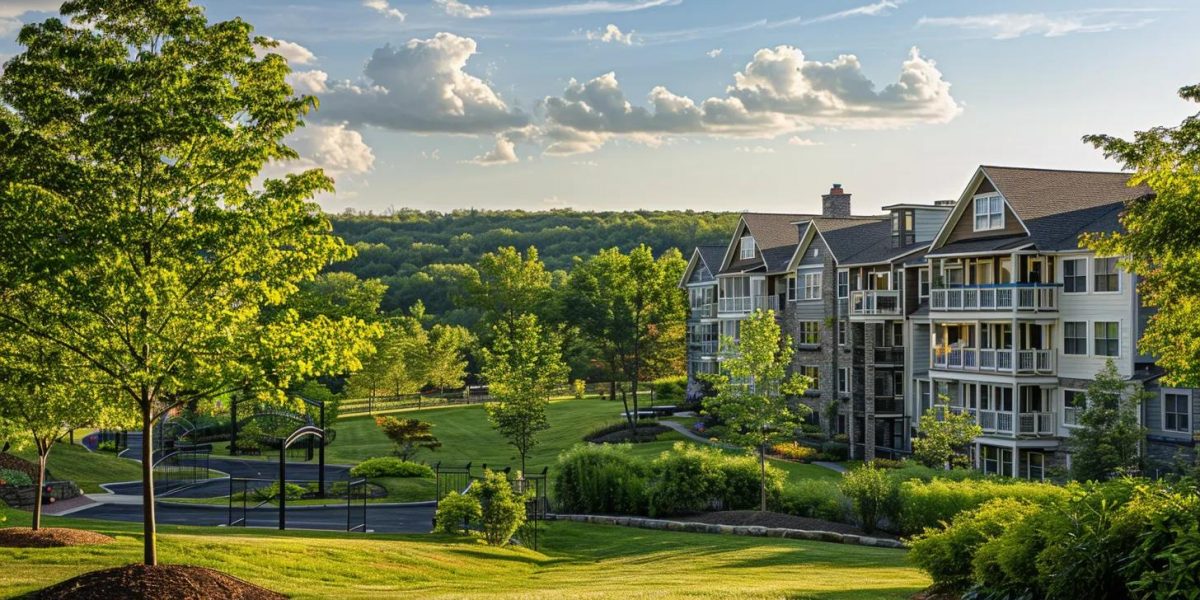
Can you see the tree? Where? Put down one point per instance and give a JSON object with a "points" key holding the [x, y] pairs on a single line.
{"points": [[631, 311], [1109, 438], [400, 364], [509, 285], [409, 435], [1160, 241], [522, 368], [135, 232], [754, 392], [44, 394], [945, 436], [337, 295], [447, 358]]}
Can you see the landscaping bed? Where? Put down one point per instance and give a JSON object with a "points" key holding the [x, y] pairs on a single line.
{"points": [[50, 537], [620, 433], [775, 519], [176, 582]]}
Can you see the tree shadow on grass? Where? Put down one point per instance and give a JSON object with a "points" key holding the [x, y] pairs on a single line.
{"points": [[492, 556]]}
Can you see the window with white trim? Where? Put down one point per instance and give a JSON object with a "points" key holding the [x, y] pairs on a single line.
{"points": [[747, 247], [843, 333], [1108, 338], [1075, 338], [791, 287], [989, 212], [1035, 465], [1105, 275], [1075, 276], [812, 286], [844, 380], [1074, 403], [814, 374], [1177, 412], [808, 333], [922, 283], [843, 284]]}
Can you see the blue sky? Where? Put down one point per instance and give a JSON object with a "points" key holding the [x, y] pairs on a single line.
{"points": [[628, 104]]}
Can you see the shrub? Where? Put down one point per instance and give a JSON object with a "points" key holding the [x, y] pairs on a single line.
{"points": [[841, 438], [810, 428], [578, 388], [669, 390], [456, 512], [107, 446], [814, 498], [887, 463], [946, 553], [835, 451], [14, 478], [923, 505], [389, 466], [870, 492], [502, 511], [794, 451], [270, 492], [600, 479], [685, 480], [1008, 563], [741, 478]]}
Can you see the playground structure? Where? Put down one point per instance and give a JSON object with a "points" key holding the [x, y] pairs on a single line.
{"points": [[452, 478]]}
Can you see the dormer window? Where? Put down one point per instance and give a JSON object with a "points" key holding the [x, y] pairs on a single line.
{"points": [[903, 227], [747, 247], [989, 212]]}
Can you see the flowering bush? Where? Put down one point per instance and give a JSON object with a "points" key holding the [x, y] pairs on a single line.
{"points": [[794, 451]]}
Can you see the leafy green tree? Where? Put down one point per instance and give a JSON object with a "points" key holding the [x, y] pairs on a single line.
{"points": [[337, 295], [945, 437], [754, 393], [1160, 241], [45, 392], [134, 230], [401, 362], [522, 369], [1109, 437], [447, 356], [509, 285], [631, 312], [502, 510], [409, 435]]}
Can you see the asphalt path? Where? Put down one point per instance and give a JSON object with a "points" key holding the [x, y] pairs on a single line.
{"points": [[394, 518]]}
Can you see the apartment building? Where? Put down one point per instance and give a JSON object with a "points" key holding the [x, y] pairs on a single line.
{"points": [[986, 303]]}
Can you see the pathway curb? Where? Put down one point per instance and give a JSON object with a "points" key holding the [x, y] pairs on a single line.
{"points": [[744, 530]]}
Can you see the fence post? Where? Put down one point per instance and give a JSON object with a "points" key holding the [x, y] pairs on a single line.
{"points": [[282, 485]]}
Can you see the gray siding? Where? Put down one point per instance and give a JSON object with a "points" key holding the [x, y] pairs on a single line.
{"points": [[918, 348], [701, 274], [927, 223], [808, 260]]}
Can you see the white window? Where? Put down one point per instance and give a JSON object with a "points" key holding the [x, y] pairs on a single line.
{"points": [[1177, 412], [1104, 274], [989, 212], [1108, 338], [997, 461], [747, 247], [1074, 403], [816, 252], [808, 333], [922, 283], [1075, 276], [1035, 466], [814, 374], [843, 284], [1075, 338], [812, 286], [844, 380]]}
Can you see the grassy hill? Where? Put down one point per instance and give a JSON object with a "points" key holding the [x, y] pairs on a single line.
{"points": [[87, 469], [574, 561]]}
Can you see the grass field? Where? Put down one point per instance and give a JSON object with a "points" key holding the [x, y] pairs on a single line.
{"points": [[574, 561], [87, 469]]}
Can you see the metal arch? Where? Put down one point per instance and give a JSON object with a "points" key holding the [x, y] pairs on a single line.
{"points": [[302, 432]]}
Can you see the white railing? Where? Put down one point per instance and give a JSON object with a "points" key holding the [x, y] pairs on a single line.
{"points": [[707, 310], [745, 304], [875, 302], [1039, 423], [993, 359], [1001, 421], [1071, 415], [1016, 296]]}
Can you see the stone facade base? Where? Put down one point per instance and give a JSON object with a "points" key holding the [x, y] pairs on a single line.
{"points": [[747, 530]]}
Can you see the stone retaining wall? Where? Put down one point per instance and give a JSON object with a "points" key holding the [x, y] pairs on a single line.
{"points": [[749, 530]]}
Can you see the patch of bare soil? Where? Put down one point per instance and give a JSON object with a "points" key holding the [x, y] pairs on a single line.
{"points": [[774, 519], [174, 582], [50, 537]]}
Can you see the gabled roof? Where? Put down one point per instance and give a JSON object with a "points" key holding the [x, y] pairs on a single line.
{"points": [[702, 255], [771, 231], [1054, 206]]}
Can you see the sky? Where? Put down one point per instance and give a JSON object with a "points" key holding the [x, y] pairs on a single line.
{"points": [[706, 104]]}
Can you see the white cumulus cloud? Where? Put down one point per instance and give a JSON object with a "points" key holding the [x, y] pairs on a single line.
{"points": [[611, 34], [455, 8], [590, 7], [715, 52], [754, 150], [1007, 26], [292, 52], [334, 148], [422, 86], [308, 82], [382, 7], [799, 141]]}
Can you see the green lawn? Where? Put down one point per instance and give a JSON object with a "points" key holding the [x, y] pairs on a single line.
{"points": [[399, 489], [574, 561], [87, 469]]}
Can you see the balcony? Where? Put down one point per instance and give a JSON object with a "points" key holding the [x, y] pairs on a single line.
{"points": [[1001, 422], [884, 405], [995, 360], [875, 302], [747, 304], [1036, 297], [889, 356], [707, 310], [703, 348]]}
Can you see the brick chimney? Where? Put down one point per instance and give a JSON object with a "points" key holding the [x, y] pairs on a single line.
{"points": [[836, 203]]}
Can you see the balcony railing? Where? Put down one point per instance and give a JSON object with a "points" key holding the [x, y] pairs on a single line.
{"points": [[998, 297], [1002, 421], [1038, 423], [707, 310], [994, 359], [889, 356], [884, 405], [745, 304], [875, 302], [707, 347]]}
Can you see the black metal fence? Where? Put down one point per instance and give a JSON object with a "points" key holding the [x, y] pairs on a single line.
{"points": [[256, 502], [459, 478], [182, 466]]}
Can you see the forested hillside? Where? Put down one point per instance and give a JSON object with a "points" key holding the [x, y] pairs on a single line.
{"points": [[417, 253]]}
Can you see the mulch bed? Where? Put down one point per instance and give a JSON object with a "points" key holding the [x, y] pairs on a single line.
{"points": [[49, 537], [16, 463], [174, 582], [774, 519], [645, 433]]}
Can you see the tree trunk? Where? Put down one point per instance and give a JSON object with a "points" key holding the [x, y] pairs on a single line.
{"points": [[612, 390], [150, 543], [762, 465], [628, 413], [43, 454]]}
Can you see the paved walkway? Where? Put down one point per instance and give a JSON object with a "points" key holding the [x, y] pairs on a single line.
{"points": [[688, 433]]}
